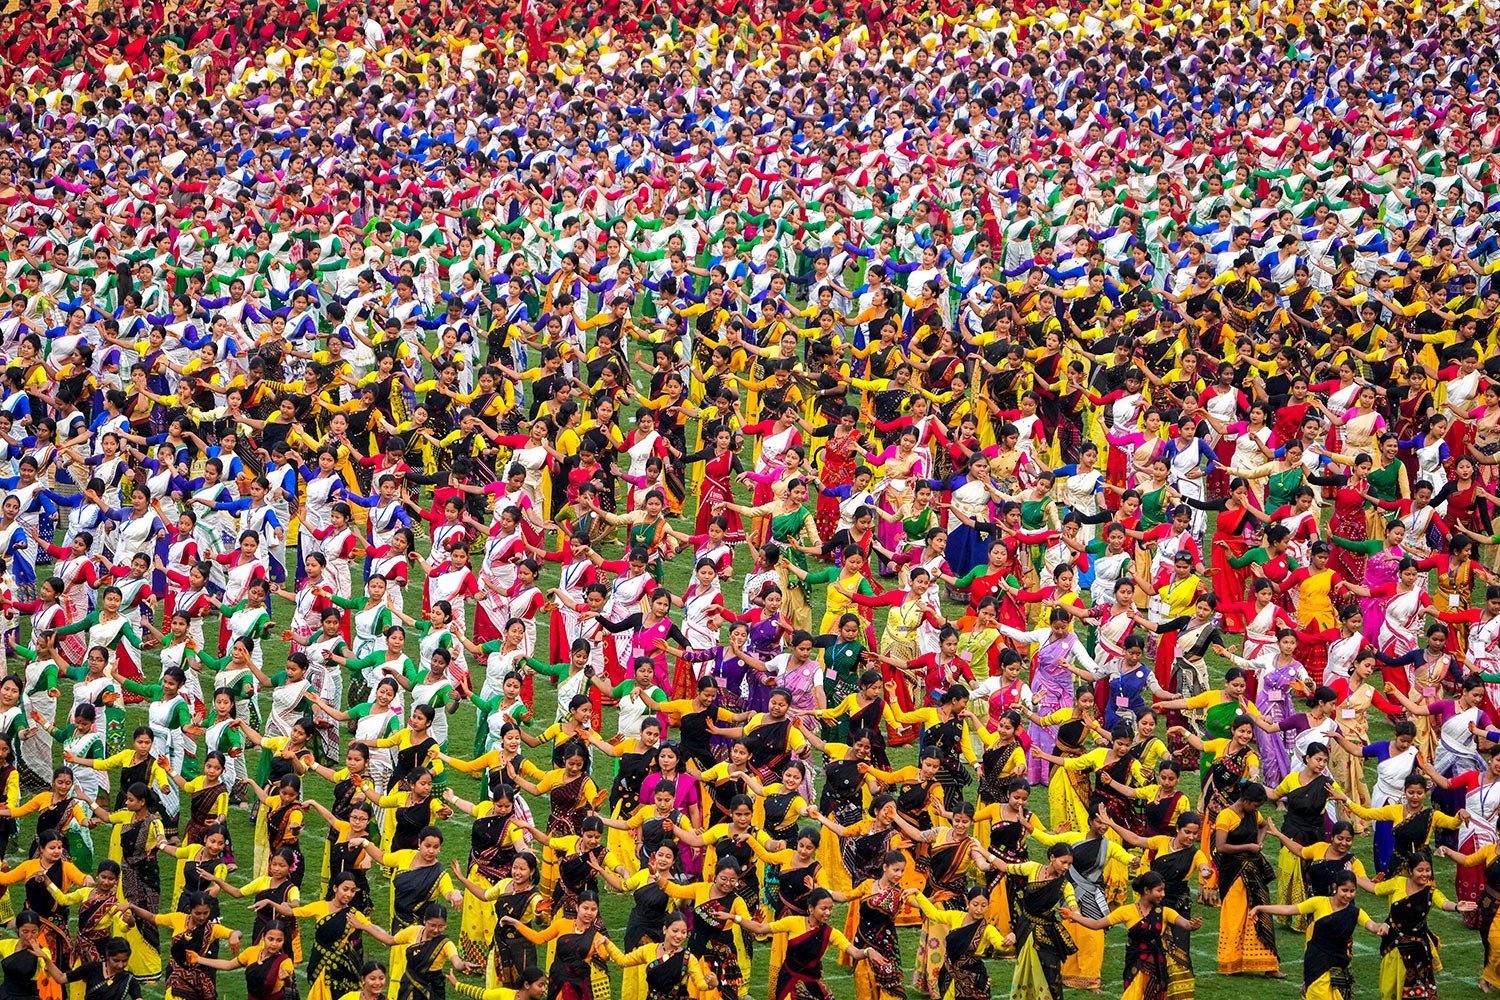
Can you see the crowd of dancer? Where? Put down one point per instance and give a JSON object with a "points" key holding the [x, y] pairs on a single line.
{"points": [[869, 420]]}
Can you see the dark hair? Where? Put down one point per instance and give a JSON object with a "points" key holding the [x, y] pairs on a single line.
{"points": [[341, 878], [192, 900], [1148, 880], [817, 896], [1346, 877], [1253, 792], [143, 792]]}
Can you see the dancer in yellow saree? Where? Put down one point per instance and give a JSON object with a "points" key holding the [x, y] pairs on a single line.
{"points": [[1330, 937], [1043, 941], [1148, 921], [951, 851], [1247, 941], [799, 975], [1487, 857], [969, 936], [1092, 850]]}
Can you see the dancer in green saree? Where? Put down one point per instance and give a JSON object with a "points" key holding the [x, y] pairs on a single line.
{"points": [[794, 531]]}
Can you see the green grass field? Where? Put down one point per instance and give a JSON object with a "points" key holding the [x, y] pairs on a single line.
{"points": [[1461, 950]]}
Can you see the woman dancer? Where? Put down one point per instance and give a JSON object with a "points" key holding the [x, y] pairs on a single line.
{"points": [[1331, 919], [1247, 936], [1149, 923]]}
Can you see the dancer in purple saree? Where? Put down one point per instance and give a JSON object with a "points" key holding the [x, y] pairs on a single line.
{"points": [[1281, 678], [1051, 681]]}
